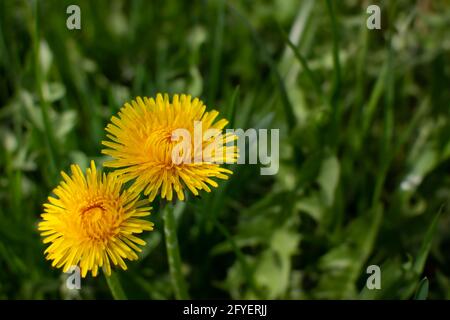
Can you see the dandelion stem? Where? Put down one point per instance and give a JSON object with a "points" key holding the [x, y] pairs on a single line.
{"points": [[115, 287], [173, 253]]}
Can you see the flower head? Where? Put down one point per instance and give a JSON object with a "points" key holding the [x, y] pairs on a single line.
{"points": [[165, 146], [91, 222]]}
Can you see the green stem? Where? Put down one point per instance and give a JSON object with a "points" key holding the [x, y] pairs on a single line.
{"points": [[173, 253], [115, 287]]}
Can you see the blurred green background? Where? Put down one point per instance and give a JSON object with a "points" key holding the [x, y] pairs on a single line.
{"points": [[364, 153]]}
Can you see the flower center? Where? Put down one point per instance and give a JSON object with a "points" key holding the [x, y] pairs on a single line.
{"points": [[94, 213], [158, 146], [94, 221]]}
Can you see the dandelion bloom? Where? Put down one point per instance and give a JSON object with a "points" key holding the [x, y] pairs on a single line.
{"points": [[91, 222], [165, 146]]}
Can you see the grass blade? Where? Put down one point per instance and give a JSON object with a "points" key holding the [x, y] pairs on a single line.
{"points": [[287, 105], [422, 290], [304, 64], [336, 60], [419, 263], [217, 51]]}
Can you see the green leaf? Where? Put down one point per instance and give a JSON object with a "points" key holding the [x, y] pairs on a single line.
{"points": [[421, 258], [422, 290], [328, 178], [342, 265]]}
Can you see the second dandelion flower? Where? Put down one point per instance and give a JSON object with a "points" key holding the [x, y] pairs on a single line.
{"points": [[144, 136]]}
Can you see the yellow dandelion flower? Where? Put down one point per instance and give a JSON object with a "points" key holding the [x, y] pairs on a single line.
{"points": [[165, 146], [91, 222]]}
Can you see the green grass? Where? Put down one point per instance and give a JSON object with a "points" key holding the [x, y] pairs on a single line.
{"points": [[364, 153]]}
